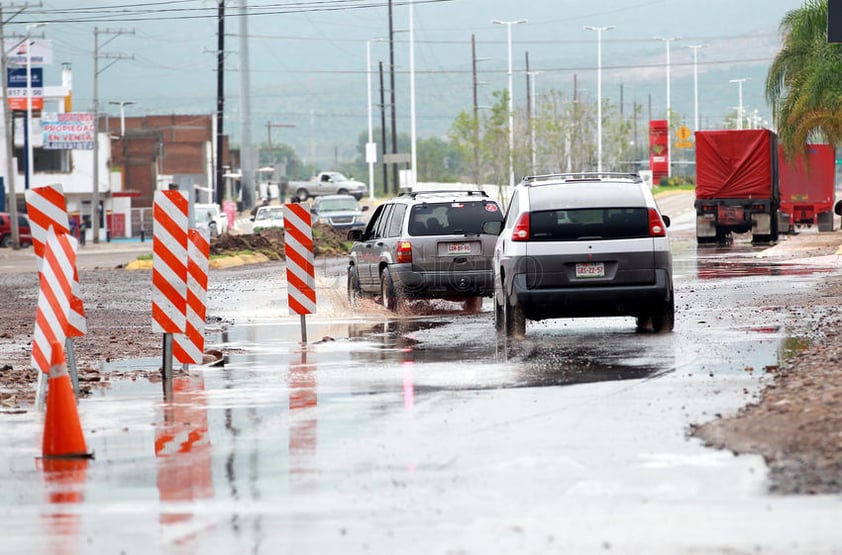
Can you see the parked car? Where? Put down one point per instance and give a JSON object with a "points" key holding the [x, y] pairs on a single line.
{"points": [[327, 183], [425, 245], [587, 244], [267, 217], [210, 216], [24, 233], [338, 211]]}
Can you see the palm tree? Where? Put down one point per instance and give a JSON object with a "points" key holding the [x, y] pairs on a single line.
{"points": [[804, 84]]}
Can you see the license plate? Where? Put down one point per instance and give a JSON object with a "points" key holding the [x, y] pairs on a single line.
{"points": [[590, 270], [458, 248]]}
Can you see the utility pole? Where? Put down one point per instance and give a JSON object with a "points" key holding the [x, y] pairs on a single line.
{"points": [[475, 123], [395, 176], [95, 213], [529, 111], [247, 157], [7, 130], [383, 132], [220, 99]]}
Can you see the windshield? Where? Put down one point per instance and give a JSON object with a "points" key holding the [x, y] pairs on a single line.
{"points": [[273, 213], [452, 218], [338, 204]]}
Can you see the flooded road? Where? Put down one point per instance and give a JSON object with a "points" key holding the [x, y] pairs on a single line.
{"points": [[432, 434]]}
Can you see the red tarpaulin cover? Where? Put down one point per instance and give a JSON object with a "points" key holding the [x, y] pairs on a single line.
{"points": [[811, 183], [734, 164]]}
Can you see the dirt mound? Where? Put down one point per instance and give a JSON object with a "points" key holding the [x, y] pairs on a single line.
{"points": [[327, 241]]}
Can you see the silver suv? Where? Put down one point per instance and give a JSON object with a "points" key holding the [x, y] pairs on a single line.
{"points": [[586, 244], [425, 245]]}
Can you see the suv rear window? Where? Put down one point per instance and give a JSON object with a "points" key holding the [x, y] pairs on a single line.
{"points": [[452, 218], [589, 223]]}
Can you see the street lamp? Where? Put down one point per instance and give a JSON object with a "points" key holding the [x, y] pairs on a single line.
{"points": [[739, 83], [532, 75], [412, 133], [28, 126], [695, 48], [599, 31], [668, 40], [508, 25], [370, 147], [122, 104]]}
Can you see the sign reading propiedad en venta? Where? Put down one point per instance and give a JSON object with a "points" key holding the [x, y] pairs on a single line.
{"points": [[68, 131]]}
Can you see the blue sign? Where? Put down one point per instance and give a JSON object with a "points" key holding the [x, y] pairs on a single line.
{"points": [[17, 77]]}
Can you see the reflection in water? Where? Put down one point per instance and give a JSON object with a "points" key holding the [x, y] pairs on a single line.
{"points": [[721, 269], [65, 480], [303, 422], [183, 452]]}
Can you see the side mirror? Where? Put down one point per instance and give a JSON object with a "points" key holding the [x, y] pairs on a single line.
{"points": [[313, 211], [666, 220], [364, 208], [492, 227], [355, 235], [251, 219], [838, 208]]}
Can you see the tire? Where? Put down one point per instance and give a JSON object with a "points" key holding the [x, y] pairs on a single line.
{"points": [[213, 231], [354, 291], [499, 316], [342, 192], [825, 221], [663, 319], [6, 241], [515, 322], [302, 194], [390, 295], [473, 305]]}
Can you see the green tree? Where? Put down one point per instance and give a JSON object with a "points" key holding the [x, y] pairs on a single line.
{"points": [[804, 83]]}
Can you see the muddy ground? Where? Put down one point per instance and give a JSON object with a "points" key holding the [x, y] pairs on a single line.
{"points": [[796, 425]]}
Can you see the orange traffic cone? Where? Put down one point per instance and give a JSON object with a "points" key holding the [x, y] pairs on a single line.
{"points": [[62, 428]]}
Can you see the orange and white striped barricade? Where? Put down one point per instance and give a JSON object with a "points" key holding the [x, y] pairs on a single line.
{"points": [[46, 206], [169, 272], [54, 301], [188, 347], [298, 250]]}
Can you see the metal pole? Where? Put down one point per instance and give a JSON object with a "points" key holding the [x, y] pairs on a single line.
{"points": [[369, 155], [511, 108], [668, 40], [220, 99], [383, 131], [599, 31], [695, 48], [395, 176], [95, 193], [412, 133], [8, 142], [166, 366], [303, 329], [28, 123]]}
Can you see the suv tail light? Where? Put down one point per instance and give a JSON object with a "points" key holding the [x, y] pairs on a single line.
{"points": [[656, 224], [521, 230], [404, 253]]}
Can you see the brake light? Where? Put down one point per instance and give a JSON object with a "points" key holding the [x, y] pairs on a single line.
{"points": [[656, 224], [404, 253], [521, 230]]}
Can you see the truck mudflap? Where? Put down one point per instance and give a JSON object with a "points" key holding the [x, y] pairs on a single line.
{"points": [[706, 226]]}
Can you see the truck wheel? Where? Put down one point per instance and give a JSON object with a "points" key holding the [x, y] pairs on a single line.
{"points": [[355, 293], [302, 194], [6, 241], [342, 192], [825, 221], [499, 316]]}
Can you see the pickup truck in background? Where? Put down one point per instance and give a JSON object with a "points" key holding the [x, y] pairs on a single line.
{"points": [[327, 183], [737, 185], [807, 188]]}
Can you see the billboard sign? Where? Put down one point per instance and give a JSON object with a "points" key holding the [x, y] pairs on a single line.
{"points": [[69, 131], [834, 21], [18, 90], [40, 52]]}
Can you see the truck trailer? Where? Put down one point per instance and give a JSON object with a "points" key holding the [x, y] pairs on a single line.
{"points": [[808, 188], [737, 185]]}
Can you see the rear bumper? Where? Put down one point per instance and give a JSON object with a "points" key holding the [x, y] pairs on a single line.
{"points": [[624, 300], [440, 285]]}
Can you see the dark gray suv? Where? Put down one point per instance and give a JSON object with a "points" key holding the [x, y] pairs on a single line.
{"points": [[425, 245], [586, 244]]}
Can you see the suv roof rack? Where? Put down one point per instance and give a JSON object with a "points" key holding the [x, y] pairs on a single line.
{"points": [[468, 192], [581, 176]]}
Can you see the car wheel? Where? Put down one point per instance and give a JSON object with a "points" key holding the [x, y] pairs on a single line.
{"points": [[499, 316], [342, 192], [302, 194], [473, 305], [663, 319], [515, 322], [354, 291], [213, 232], [389, 294], [6, 241]]}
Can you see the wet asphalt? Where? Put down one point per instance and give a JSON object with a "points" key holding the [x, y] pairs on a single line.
{"points": [[432, 434]]}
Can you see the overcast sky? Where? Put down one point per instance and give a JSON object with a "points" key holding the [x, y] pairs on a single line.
{"points": [[308, 57]]}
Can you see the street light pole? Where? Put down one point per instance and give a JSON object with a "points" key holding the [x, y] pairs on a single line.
{"points": [[412, 131], [28, 124], [739, 83], [508, 25], [599, 31], [532, 75], [668, 40], [122, 104], [695, 48]]}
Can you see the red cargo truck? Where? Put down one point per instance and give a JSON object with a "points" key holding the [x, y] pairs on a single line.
{"points": [[808, 188], [737, 187]]}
